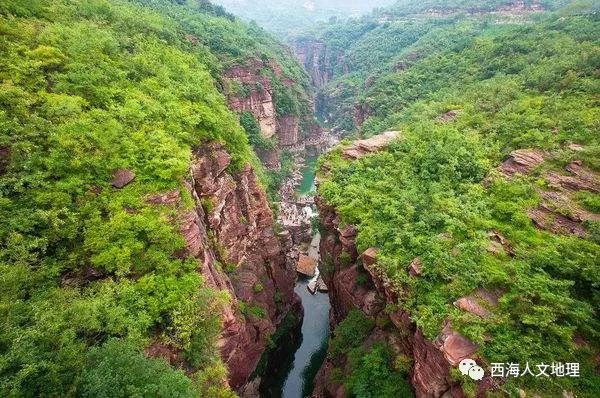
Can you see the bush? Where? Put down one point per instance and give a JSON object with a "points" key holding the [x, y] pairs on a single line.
{"points": [[118, 369], [373, 376], [350, 333]]}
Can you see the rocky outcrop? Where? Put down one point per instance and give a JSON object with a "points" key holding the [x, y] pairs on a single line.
{"points": [[288, 130], [361, 148], [249, 89], [558, 211], [522, 161], [580, 178], [316, 60], [306, 265], [122, 178], [230, 233], [354, 283]]}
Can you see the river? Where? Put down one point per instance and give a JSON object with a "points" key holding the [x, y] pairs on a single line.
{"points": [[308, 358]]}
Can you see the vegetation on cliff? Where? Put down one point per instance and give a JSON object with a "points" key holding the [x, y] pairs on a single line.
{"points": [[466, 91], [91, 274]]}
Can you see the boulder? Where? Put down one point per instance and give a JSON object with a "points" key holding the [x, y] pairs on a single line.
{"points": [[470, 304], [416, 267], [369, 257], [456, 348], [321, 285], [374, 144], [222, 160], [122, 178], [306, 265]]}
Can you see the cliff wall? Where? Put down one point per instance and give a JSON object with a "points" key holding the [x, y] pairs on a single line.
{"points": [[353, 283], [230, 232], [253, 88]]}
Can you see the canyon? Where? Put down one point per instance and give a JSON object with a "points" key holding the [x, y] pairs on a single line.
{"points": [[193, 208]]}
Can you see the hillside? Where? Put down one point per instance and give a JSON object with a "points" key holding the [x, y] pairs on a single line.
{"points": [[477, 228], [347, 60], [131, 200]]}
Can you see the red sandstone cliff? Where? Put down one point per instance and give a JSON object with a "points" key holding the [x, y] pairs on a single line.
{"points": [[430, 373], [230, 232], [249, 89], [318, 60]]}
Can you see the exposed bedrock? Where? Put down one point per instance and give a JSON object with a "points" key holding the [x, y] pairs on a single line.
{"points": [[229, 230], [342, 264]]}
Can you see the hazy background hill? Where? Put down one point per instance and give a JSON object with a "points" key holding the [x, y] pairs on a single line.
{"points": [[288, 17]]}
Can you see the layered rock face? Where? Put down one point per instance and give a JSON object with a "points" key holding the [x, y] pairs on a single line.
{"points": [[230, 232], [318, 61], [250, 90], [255, 96], [309, 54], [558, 211], [432, 361]]}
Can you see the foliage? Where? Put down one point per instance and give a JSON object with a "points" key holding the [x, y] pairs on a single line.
{"points": [[277, 177], [372, 375], [89, 272], [252, 128], [350, 333], [436, 193], [118, 369]]}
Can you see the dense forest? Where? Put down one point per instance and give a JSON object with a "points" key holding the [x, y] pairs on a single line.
{"points": [[89, 275], [466, 84]]}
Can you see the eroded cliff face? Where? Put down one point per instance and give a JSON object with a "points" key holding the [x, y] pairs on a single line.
{"points": [[314, 56], [230, 232], [249, 89], [319, 61], [354, 283], [253, 93]]}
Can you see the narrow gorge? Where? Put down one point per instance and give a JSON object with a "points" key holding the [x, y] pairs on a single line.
{"points": [[322, 199]]}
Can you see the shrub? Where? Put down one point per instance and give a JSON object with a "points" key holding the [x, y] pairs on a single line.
{"points": [[350, 333], [118, 369]]}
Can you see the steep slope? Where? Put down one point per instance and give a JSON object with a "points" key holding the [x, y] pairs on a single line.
{"points": [[473, 233], [137, 247], [349, 59]]}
